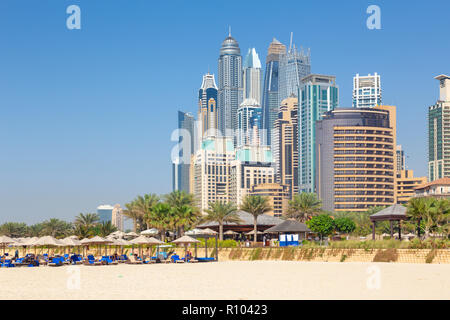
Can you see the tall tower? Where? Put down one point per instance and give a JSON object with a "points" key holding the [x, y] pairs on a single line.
{"points": [[207, 106], [438, 133], [252, 76], [186, 147], [317, 95], [230, 85], [367, 91], [270, 103], [249, 123], [285, 145], [294, 66]]}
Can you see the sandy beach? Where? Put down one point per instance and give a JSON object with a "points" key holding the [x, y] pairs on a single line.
{"points": [[230, 280]]}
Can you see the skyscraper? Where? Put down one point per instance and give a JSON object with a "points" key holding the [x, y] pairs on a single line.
{"points": [[285, 145], [211, 171], [439, 133], [186, 147], [105, 213], [294, 66], [207, 106], [249, 123], [355, 158], [252, 76], [230, 85], [400, 158], [366, 91], [117, 217], [317, 95], [270, 102]]}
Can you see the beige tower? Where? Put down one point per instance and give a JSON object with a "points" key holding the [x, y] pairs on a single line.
{"points": [[285, 145]]}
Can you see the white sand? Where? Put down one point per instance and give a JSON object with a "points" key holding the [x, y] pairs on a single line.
{"points": [[230, 280]]}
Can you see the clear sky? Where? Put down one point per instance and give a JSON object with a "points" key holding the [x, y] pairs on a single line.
{"points": [[86, 115]]}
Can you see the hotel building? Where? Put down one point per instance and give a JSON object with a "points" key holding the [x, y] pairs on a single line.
{"points": [[318, 94], [277, 194], [406, 184], [285, 145], [117, 217], [245, 175], [366, 91], [356, 167], [439, 133], [207, 106], [211, 168]]}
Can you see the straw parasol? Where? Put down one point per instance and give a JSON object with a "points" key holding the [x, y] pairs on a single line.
{"points": [[150, 232], [97, 240], [186, 240], [48, 241], [230, 232], [250, 233], [4, 241]]}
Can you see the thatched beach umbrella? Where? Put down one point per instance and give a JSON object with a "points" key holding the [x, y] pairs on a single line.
{"points": [[4, 241], [141, 240], [97, 241], [185, 240], [48, 241], [150, 232]]}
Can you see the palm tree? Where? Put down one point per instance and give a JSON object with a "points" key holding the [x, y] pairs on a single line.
{"points": [[221, 212], [160, 217], [82, 231], [13, 229], [184, 209], [56, 228], [415, 208], [441, 212], [87, 220], [304, 206], [144, 204], [105, 228], [133, 214], [255, 205]]}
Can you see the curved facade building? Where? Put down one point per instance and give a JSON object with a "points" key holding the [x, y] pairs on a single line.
{"points": [[230, 85], [356, 159], [207, 106]]}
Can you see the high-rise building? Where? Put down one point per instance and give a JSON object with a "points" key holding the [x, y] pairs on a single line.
{"points": [[105, 213], [356, 158], [245, 175], [249, 123], [252, 76], [439, 133], [278, 195], [230, 85], [117, 217], [285, 145], [400, 158], [211, 171], [207, 106], [406, 184], [270, 102], [294, 66], [186, 147], [366, 91], [318, 94]]}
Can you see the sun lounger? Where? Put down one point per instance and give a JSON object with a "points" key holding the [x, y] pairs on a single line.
{"points": [[91, 261], [133, 260], [205, 259], [8, 264], [176, 259], [56, 262]]}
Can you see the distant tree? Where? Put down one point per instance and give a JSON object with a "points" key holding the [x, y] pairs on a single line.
{"points": [[256, 206], [13, 229], [56, 228], [344, 225], [304, 206], [221, 212], [87, 220], [35, 230], [104, 229], [322, 224]]}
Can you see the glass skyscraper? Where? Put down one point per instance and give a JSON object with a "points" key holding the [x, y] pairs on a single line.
{"points": [[270, 104], [294, 66], [252, 76], [182, 164], [249, 123], [230, 85], [207, 106], [317, 95]]}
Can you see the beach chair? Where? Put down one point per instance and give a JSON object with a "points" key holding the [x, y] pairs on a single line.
{"points": [[56, 262], [8, 264], [133, 260], [91, 261], [176, 259]]}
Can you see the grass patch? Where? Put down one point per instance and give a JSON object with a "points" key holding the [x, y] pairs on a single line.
{"points": [[388, 255]]}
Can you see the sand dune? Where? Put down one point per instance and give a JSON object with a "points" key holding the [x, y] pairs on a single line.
{"points": [[230, 280]]}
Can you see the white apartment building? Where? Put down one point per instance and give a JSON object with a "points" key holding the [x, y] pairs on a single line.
{"points": [[367, 91]]}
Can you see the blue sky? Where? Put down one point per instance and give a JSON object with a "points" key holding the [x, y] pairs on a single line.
{"points": [[86, 115]]}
